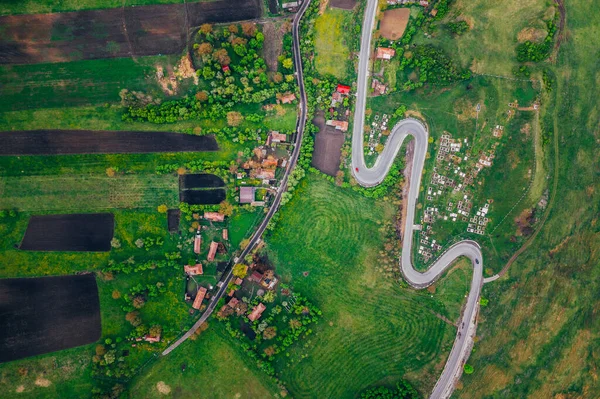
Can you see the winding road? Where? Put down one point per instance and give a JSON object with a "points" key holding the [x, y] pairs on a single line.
{"points": [[369, 177]]}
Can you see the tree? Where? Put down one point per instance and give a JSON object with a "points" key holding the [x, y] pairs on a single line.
{"points": [[278, 77], [111, 172], [468, 369], [206, 29], [233, 28], [205, 48], [269, 297], [221, 56], [270, 351], [287, 63], [100, 350], [116, 294], [249, 29], [270, 333], [234, 118], [202, 96], [139, 242], [138, 301], [484, 301], [162, 208], [115, 243], [240, 270], [226, 208], [155, 330], [241, 308], [134, 318], [295, 323], [379, 147]]}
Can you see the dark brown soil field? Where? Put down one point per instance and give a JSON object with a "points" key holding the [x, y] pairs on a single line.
{"points": [[343, 4], [47, 314], [87, 232], [328, 147], [394, 23], [202, 197], [173, 217], [273, 6], [118, 32], [202, 180], [58, 142]]}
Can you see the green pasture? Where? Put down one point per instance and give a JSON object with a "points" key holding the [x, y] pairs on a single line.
{"points": [[373, 331], [331, 51]]}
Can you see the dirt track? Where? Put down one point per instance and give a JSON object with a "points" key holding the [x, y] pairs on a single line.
{"points": [[119, 32]]}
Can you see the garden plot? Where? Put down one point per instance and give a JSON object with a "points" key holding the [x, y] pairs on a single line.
{"points": [[202, 197], [119, 32], [47, 314], [78, 232], [202, 180], [394, 23], [59, 142]]}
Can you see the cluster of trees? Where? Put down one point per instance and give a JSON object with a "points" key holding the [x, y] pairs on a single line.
{"points": [[458, 28], [403, 390], [218, 168], [535, 52], [11, 213], [149, 242], [131, 266], [433, 66]]}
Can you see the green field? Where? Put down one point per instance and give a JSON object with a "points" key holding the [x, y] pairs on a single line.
{"points": [[331, 51], [372, 331], [539, 336]]}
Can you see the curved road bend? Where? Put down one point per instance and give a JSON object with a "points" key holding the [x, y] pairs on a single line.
{"points": [[370, 177], [300, 124]]}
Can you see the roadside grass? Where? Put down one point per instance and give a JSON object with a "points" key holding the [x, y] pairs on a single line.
{"points": [[71, 193], [24, 87], [489, 46], [46, 6], [540, 331], [373, 331], [452, 110], [331, 51], [215, 367]]}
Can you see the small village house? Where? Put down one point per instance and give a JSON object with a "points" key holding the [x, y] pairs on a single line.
{"points": [[257, 312], [247, 195], [197, 242], [225, 234], [151, 338], [193, 270], [233, 302], [212, 251], [339, 125], [343, 89], [384, 53], [256, 276], [214, 216], [276, 137], [288, 98], [199, 298], [238, 281], [265, 174]]}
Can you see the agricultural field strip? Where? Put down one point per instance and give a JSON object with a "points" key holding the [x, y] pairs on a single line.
{"points": [[256, 238], [375, 175]]}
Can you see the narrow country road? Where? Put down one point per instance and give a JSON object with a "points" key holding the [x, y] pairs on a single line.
{"points": [[373, 176], [300, 124]]}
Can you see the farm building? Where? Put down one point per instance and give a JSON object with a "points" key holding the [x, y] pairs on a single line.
{"points": [[193, 270], [225, 234], [384, 53], [290, 5], [257, 312], [197, 242], [199, 298], [343, 89], [276, 137], [152, 338], [214, 216], [247, 195], [288, 98], [212, 251], [339, 125]]}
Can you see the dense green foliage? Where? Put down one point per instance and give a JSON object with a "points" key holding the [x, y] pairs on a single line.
{"points": [[458, 28], [432, 66], [403, 390], [535, 52]]}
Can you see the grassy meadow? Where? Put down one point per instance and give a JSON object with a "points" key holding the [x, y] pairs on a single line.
{"points": [[373, 331], [539, 336], [331, 51]]}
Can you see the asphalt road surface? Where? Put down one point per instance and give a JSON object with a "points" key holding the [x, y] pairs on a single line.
{"points": [[300, 124], [370, 177]]}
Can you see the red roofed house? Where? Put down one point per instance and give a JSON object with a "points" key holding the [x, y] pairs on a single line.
{"points": [[256, 276], [276, 137], [225, 234], [265, 173], [212, 251], [225, 68], [151, 338], [256, 312], [193, 270], [214, 216], [199, 298], [238, 281], [343, 89], [197, 242], [384, 53], [288, 98], [339, 125], [269, 163], [233, 302]]}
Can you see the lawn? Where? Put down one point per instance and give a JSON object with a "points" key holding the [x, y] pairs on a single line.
{"points": [[373, 330], [539, 335], [331, 51], [215, 367]]}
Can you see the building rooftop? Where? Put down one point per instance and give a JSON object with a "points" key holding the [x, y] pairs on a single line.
{"points": [[199, 298], [247, 195], [256, 312], [212, 251]]}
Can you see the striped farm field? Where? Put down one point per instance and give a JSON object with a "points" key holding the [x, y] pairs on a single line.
{"points": [[373, 331]]}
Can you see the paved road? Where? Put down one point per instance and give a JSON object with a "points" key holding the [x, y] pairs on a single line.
{"points": [[300, 124], [370, 177]]}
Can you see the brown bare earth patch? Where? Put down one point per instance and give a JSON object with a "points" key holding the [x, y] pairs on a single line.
{"points": [[394, 23], [343, 4], [415, 114], [273, 43], [531, 35], [464, 110], [185, 69], [328, 147], [42, 382], [163, 388]]}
